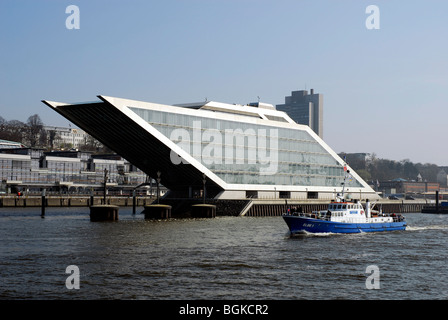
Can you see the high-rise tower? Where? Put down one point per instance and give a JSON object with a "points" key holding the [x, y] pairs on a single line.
{"points": [[305, 108]]}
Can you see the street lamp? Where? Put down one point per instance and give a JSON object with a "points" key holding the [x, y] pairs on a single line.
{"points": [[105, 180], [204, 181], [158, 182]]}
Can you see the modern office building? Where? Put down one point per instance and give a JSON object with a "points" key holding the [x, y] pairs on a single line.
{"points": [[236, 151], [305, 109]]}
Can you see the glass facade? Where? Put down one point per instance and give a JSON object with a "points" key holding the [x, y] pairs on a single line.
{"points": [[250, 153], [15, 169], [35, 167]]}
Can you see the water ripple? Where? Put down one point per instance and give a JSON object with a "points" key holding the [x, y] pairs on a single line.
{"points": [[222, 258]]}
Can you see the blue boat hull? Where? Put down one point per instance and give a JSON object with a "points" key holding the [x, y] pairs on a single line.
{"points": [[299, 224]]}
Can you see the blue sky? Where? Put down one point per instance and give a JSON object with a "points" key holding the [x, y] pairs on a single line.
{"points": [[385, 91]]}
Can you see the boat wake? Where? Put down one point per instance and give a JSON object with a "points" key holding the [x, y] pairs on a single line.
{"points": [[304, 234], [430, 227]]}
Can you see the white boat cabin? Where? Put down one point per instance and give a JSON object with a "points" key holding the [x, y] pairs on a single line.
{"points": [[352, 212]]}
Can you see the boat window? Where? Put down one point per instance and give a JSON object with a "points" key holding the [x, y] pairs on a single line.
{"points": [[339, 206], [344, 206]]}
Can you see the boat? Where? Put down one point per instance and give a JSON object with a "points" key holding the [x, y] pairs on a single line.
{"points": [[343, 216]]}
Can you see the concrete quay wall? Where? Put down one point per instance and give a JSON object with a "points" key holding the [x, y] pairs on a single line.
{"points": [[71, 201], [247, 207], [278, 207]]}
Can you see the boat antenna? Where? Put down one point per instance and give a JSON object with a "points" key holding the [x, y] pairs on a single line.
{"points": [[343, 183], [347, 172]]}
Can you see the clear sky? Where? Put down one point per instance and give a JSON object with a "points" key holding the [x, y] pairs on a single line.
{"points": [[385, 90]]}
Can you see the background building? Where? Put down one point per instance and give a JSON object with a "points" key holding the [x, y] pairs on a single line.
{"points": [[31, 170], [402, 186], [62, 137], [305, 108]]}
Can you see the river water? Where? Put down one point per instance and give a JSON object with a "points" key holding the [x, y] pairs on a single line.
{"points": [[222, 258]]}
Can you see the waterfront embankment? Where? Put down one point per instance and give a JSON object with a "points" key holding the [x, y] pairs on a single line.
{"points": [[278, 207], [72, 201], [247, 207]]}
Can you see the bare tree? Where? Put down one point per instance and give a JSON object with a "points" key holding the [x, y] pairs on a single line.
{"points": [[34, 129], [12, 130]]}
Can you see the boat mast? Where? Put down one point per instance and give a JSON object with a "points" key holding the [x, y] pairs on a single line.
{"points": [[345, 178], [343, 185]]}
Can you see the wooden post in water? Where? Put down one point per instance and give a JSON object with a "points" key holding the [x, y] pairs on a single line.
{"points": [[43, 204], [91, 197], [133, 202], [437, 201]]}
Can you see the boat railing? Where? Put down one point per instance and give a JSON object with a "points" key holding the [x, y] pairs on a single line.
{"points": [[303, 214], [327, 217], [313, 215], [397, 217]]}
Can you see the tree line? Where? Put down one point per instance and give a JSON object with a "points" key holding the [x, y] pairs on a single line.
{"points": [[371, 168], [32, 133]]}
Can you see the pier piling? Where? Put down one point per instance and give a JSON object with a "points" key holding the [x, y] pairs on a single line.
{"points": [[157, 211], [203, 211], [104, 213], [133, 202]]}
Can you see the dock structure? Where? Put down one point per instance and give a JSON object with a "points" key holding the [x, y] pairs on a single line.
{"points": [[437, 207], [262, 207], [72, 201], [186, 208]]}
